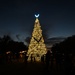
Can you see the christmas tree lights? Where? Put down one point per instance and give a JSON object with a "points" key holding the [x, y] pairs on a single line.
{"points": [[37, 48]]}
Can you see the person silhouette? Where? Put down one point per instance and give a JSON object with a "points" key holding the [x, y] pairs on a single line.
{"points": [[47, 59], [31, 57], [26, 57], [42, 58]]}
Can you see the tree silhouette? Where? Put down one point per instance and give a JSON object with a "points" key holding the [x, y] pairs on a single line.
{"points": [[65, 51], [7, 44]]}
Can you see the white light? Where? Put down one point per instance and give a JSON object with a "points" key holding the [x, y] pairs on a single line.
{"points": [[36, 15]]}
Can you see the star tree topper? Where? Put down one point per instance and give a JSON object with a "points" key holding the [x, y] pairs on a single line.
{"points": [[37, 15]]}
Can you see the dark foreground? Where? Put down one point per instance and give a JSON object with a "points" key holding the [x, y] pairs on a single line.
{"points": [[28, 69]]}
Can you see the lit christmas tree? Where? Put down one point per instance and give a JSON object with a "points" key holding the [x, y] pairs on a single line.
{"points": [[37, 47]]}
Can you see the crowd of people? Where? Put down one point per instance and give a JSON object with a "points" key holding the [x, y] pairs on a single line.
{"points": [[59, 62]]}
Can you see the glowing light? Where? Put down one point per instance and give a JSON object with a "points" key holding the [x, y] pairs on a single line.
{"points": [[37, 47], [22, 51], [36, 15], [8, 52]]}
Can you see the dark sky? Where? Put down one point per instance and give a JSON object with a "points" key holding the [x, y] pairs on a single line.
{"points": [[57, 18]]}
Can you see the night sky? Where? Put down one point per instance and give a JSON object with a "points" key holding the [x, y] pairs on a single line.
{"points": [[57, 18]]}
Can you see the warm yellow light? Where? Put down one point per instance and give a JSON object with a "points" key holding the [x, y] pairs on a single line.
{"points": [[37, 47]]}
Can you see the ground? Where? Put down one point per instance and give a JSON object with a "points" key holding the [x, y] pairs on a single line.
{"points": [[26, 69]]}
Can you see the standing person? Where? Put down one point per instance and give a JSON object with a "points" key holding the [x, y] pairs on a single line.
{"points": [[31, 57], [47, 59], [42, 58], [51, 59], [26, 57]]}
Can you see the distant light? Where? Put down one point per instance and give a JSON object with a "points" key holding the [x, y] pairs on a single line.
{"points": [[8, 52], [22, 51], [36, 15]]}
